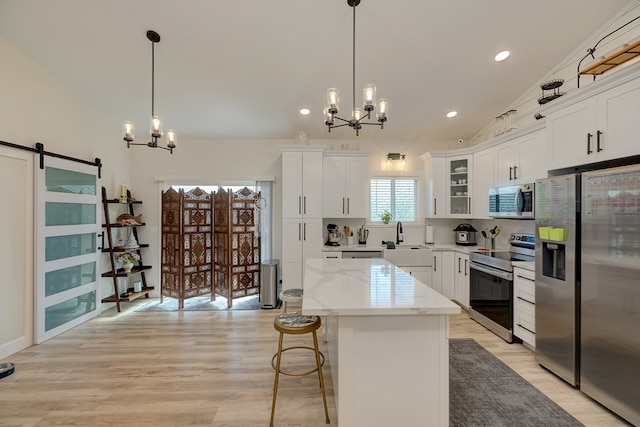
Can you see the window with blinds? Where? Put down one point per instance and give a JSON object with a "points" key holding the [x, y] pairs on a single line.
{"points": [[397, 195]]}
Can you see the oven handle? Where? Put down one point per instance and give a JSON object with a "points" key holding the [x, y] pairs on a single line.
{"points": [[498, 273]]}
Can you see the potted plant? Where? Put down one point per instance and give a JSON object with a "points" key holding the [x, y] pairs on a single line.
{"points": [[127, 259], [386, 216]]}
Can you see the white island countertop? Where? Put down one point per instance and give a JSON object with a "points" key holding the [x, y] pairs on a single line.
{"points": [[364, 287]]}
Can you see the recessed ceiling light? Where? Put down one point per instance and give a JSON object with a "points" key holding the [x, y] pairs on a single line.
{"points": [[305, 111], [502, 55], [452, 114]]}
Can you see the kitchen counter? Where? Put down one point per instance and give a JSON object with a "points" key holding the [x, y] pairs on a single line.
{"points": [[452, 247], [355, 247], [387, 335], [363, 287]]}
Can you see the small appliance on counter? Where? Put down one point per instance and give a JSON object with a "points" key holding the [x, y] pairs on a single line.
{"points": [[363, 235], [333, 235], [465, 235]]}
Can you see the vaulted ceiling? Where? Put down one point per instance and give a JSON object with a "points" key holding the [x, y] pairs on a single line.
{"points": [[243, 69]]}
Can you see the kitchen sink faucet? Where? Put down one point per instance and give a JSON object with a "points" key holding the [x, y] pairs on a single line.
{"points": [[399, 237]]}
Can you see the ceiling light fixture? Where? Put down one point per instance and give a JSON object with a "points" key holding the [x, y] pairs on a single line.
{"points": [[451, 114], [305, 111], [396, 156], [369, 95], [156, 122], [502, 55]]}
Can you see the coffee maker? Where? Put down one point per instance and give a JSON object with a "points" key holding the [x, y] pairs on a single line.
{"points": [[333, 235], [363, 234]]}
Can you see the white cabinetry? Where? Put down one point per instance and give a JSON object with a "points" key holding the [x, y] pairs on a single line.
{"points": [[442, 276], [302, 184], [524, 305], [602, 127], [461, 292], [459, 173], [423, 274], [483, 179], [522, 160], [435, 198], [302, 211], [345, 186]]}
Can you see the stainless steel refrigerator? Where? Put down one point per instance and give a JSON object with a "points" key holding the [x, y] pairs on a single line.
{"points": [[557, 275], [588, 284]]}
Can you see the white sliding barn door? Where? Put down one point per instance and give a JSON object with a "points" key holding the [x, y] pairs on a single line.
{"points": [[68, 222]]}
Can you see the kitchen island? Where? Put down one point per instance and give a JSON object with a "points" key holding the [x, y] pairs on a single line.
{"points": [[387, 335]]}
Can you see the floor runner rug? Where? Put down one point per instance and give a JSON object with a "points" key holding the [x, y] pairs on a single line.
{"points": [[483, 391]]}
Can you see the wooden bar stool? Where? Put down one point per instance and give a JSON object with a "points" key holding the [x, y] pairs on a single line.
{"points": [[296, 323], [293, 296]]}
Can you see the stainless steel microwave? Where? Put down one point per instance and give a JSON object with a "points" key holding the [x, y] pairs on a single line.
{"points": [[513, 201]]}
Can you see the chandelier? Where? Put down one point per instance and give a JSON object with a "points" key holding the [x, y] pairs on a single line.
{"points": [[358, 115], [156, 122]]}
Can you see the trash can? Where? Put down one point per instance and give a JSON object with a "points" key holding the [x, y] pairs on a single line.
{"points": [[269, 284]]}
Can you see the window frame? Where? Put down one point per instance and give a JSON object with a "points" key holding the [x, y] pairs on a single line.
{"points": [[393, 178]]}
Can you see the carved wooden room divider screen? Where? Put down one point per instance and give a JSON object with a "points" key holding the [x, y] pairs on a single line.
{"points": [[236, 244], [187, 247]]}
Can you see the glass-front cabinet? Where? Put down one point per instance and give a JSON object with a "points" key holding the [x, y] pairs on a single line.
{"points": [[459, 187]]}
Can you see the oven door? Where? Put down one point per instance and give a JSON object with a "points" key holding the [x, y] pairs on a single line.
{"points": [[491, 296]]}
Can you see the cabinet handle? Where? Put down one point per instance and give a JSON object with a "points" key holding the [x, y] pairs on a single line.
{"points": [[343, 206], [435, 266], [510, 168], [299, 204], [589, 151], [435, 207], [515, 172], [526, 278], [304, 231], [469, 206], [525, 300], [466, 270], [526, 329], [305, 204], [299, 231], [598, 149], [348, 208], [459, 259]]}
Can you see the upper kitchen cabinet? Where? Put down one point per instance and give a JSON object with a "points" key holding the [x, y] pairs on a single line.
{"points": [[483, 179], [435, 190], [596, 123], [521, 160], [459, 174], [345, 185], [302, 182]]}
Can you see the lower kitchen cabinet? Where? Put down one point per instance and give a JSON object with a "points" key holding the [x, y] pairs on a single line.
{"points": [[461, 289], [524, 305], [422, 274], [301, 239], [442, 276]]}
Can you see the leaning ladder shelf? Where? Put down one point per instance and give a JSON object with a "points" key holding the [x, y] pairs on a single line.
{"points": [[118, 273]]}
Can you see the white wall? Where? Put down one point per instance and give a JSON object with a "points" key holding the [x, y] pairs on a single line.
{"points": [[527, 105], [34, 107]]}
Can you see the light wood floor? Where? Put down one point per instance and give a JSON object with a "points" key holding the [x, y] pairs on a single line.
{"points": [[202, 369]]}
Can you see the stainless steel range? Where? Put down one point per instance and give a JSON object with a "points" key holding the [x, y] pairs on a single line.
{"points": [[491, 284]]}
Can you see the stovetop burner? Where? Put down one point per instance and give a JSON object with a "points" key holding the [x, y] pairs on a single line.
{"points": [[522, 249]]}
